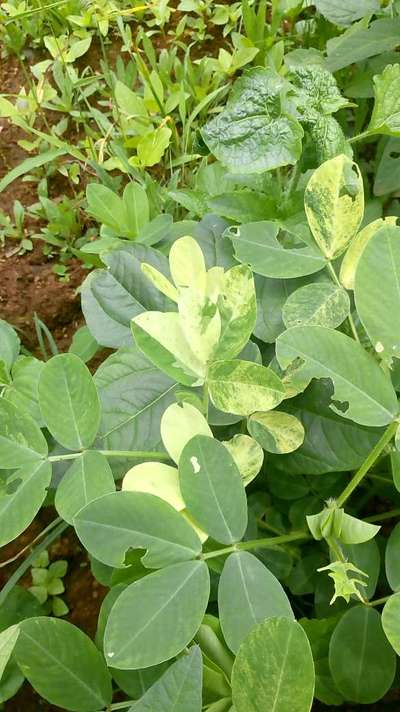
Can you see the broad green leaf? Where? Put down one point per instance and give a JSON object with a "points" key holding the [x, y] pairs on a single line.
{"points": [[359, 43], [256, 244], [156, 617], [155, 478], [392, 561], [111, 525], [136, 207], [391, 621], [152, 146], [331, 443], [274, 669], [9, 344], [366, 393], [23, 389], [354, 252], [276, 431], [344, 12], [134, 395], [187, 265], [69, 402], [21, 495], [316, 92], [88, 478], [21, 440], [319, 633], [161, 338], [385, 117], [366, 557], [322, 304], [255, 132], [11, 681], [212, 489], [358, 641], [328, 139], [8, 638], [247, 454], [356, 531], [63, 665], [131, 103], [178, 690], [179, 424], [242, 387], [248, 593], [334, 204], [29, 164], [135, 682], [387, 175], [112, 297], [237, 308], [83, 344], [376, 286], [106, 206]]}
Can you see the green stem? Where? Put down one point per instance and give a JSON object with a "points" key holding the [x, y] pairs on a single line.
{"points": [[24, 566], [121, 705], [257, 544], [379, 601], [349, 318], [368, 462], [359, 137], [384, 515], [47, 529], [115, 453]]}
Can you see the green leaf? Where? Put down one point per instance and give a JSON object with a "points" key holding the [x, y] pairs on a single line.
{"points": [[391, 621], [23, 390], [21, 440], [274, 669], [29, 164], [247, 454], [156, 617], [387, 176], [179, 424], [21, 495], [87, 478], [69, 402], [367, 558], [359, 43], [277, 432], [136, 207], [257, 245], [8, 638], [385, 117], [319, 633], [248, 593], [112, 297], [106, 206], [63, 665], [392, 563], [152, 146], [354, 252], [331, 443], [344, 12], [271, 297], [356, 531], [111, 525], [83, 344], [178, 690], [362, 392], [358, 641], [316, 93], [255, 132], [317, 304], [334, 204], [377, 286], [161, 338], [242, 387], [9, 344], [134, 395], [212, 488], [237, 309]]}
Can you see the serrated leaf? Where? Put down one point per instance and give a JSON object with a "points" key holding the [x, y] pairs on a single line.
{"points": [[365, 392], [156, 617], [241, 387], [69, 402], [334, 204], [248, 593], [111, 525]]}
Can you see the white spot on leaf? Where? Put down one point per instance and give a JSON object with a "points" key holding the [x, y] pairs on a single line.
{"points": [[195, 464], [379, 347]]}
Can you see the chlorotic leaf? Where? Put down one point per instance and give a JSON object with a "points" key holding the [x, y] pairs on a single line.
{"points": [[248, 455], [248, 593], [179, 424], [358, 641], [352, 256], [322, 304], [237, 309], [69, 402], [212, 489], [274, 669], [156, 617], [155, 478], [242, 387], [276, 431], [334, 204]]}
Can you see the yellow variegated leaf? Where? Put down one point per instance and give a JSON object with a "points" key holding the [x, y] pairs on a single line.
{"points": [[248, 455], [179, 424], [238, 309], [155, 478], [215, 282], [200, 533], [160, 281], [276, 431], [334, 204], [187, 264], [200, 322], [357, 247]]}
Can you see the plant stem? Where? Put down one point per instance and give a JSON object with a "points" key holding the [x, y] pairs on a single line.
{"points": [[349, 318], [359, 137], [368, 462], [384, 515], [121, 705], [48, 529], [379, 601], [257, 544], [157, 455], [24, 566]]}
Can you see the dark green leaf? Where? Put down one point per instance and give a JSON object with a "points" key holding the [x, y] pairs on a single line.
{"points": [[86, 479]]}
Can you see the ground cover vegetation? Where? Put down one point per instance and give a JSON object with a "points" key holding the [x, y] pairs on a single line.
{"points": [[231, 464]]}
